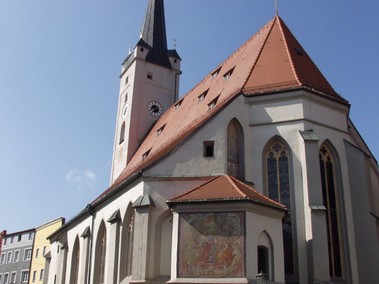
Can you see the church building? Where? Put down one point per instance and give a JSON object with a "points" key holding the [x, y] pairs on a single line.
{"points": [[256, 174]]}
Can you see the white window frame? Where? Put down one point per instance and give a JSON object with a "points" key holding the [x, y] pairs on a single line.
{"points": [[9, 257], [6, 278], [3, 258], [27, 254], [23, 274], [13, 277], [18, 256]]}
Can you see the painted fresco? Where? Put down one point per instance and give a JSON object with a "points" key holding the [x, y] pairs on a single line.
{"points": [[212, 245]]}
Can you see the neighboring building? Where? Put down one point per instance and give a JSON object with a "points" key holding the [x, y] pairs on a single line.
{"points": [[16, 256], [257, 169], [41, 249], [2, 235]]}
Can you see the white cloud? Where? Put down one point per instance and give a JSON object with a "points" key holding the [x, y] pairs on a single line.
{"points": [[81, 178]]}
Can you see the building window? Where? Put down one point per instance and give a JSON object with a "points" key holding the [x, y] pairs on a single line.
{"points": [[37, 252], [44, 250], [34, 276], [1, 278], [122, 133], [9, 258], [126, 80], [5, 241], [2, 258], [16, 256], [208, 148], [41, 274], [330, 201], [13, 277], [24, 276], [31, 236], [263, 260], [27, 254], [75, 263], [235, 149], [149, 76], [11, 240], [215, 73], [6, 278], [19, 238], [278, 187]]}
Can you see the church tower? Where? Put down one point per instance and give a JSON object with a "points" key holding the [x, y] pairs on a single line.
{"points": [[149, 84]]}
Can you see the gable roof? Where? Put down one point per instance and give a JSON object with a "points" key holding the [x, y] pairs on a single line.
{"points": [[225, 188], [271, 61]]}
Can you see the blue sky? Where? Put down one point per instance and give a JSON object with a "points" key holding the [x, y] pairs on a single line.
{"points": [[59, 68]]}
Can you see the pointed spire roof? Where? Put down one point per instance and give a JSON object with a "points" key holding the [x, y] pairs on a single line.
{"points": [[271, 61], [225, 188], [153, 34]]}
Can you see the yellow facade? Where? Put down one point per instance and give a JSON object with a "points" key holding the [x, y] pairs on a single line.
{"points": [[41, 247]]}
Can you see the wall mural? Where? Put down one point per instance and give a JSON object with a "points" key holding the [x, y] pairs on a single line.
{"points": [[212, 244]]}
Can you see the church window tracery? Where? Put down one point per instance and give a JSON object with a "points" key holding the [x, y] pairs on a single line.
{"points": [[235, 149], [278, 188], [330, 201]]}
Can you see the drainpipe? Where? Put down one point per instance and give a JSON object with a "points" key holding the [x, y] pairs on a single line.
{"points": [[90, 211]]}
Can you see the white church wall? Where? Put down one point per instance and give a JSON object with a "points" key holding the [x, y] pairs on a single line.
{"points": [[188, 160]]}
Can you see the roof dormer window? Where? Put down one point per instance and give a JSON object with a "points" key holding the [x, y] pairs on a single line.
{"points": [[144, 156], [212, 104], [202, 96], [178, 104], [228, 74], [160, 130], [215, 73]]}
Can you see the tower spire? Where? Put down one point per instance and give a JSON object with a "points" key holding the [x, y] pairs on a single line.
{"points": [[154, 34]]}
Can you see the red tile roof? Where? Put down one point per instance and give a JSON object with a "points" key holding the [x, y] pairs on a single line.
{"points": [[270, 61], [224, 188]]}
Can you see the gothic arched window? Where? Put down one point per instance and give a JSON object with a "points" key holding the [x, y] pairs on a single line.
{"points": [[278, 188], [235, 149], [330, 201], [101, 248], [75, 263], [127, 244]]}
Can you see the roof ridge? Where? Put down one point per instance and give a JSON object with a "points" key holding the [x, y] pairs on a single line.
{"points": [[272, 22], [235, 186], [258, 193], [287, 50]]}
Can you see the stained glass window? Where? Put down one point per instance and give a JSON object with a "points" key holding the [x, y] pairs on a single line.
{"points": [[327, 168], [235, 149], [278, 187]]}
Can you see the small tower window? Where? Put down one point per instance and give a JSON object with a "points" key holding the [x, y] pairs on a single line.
{"points": [[122, 133], [149, 76], [208, 148], [263, 260], [126, 80]]}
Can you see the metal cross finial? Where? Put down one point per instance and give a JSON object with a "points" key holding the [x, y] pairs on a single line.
{"points": [[276, 7]]}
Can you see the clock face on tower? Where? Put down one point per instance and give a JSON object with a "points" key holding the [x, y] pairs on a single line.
{"points": [[154, 108]]}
